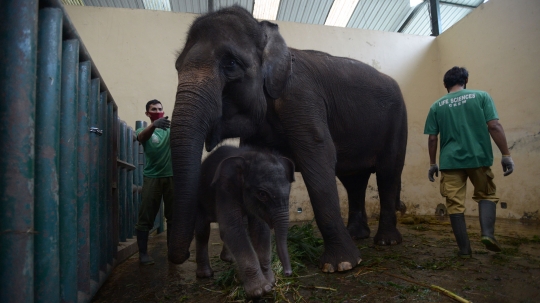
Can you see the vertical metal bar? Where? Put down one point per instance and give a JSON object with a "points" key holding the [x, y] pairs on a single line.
{"points": [[110, 166], [46, 255], [435, 12], [93, 187], [68, 171], [103, 187], [122, 183], [129, 182], [116, 206], [140, 168], [83, 168], [18, 40], [135, 181]]}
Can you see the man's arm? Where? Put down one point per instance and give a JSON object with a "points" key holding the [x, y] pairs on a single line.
{"points": [[162, 123], [497, 133], [433, 140], [146, 133]]}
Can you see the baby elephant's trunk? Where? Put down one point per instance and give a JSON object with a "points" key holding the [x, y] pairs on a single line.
{"points": [[281, 228]]}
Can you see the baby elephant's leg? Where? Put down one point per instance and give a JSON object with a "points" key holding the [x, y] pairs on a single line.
{"points": [[260, 235], [237, 240], [202, 235]]}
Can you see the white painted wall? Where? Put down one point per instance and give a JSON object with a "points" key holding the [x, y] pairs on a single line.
{"points": [[135, 51]]}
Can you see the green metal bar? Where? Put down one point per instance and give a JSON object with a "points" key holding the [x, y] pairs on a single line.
{"points": [[93, 186], [103, 186], [129, 183], [83, 168], [18, 61], [111, 245], [136, 182], [122, 184], [68, 171], [116, 201], [46, 255], [140, 169]]}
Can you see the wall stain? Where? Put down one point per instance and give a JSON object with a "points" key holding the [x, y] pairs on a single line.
{"points": [[530, 143]]}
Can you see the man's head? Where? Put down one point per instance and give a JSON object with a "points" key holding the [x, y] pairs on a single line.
{"points": [[154, 110], [456, 76]]}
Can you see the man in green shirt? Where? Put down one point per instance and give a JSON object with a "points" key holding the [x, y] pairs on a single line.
{"points": [[158, 181], [460, 117]]}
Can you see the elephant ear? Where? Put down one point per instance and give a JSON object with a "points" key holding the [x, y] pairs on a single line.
{"points": [[288, 164], [232, 169], [276, 65]]}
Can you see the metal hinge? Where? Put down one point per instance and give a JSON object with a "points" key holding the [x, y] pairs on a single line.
{"points": [[96, 130]]}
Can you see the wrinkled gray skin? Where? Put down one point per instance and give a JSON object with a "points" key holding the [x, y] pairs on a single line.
{"points": [[332, 116], [240, 184]]}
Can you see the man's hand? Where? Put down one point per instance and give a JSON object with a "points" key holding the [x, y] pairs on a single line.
{"points": [[433, 170], [162, 123], [507, 164]]}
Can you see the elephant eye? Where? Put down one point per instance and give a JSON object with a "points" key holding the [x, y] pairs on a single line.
{"points": [[262, 195]]}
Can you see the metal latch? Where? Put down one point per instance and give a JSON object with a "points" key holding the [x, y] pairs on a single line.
{"points": [[96, 130]]}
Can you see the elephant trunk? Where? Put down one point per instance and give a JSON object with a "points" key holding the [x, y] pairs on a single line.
{"points": [[197, 106], [281, 228]]}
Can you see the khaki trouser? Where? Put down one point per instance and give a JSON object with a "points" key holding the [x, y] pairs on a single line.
{"points": [[454, 187], [152, 192]]}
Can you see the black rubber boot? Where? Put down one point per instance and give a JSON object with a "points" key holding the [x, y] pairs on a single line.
{"points": [[142, 243], [460, 232], [487, 224]]}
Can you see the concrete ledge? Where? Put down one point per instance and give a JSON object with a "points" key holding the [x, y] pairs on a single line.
{"points": [[126, 250]]}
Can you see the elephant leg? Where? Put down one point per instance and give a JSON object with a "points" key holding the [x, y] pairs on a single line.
{"points": [[202, 235], [388, 183], [237, 240], [259, 233], [356, 192]]}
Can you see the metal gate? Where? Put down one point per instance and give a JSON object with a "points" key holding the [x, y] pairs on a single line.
{"points": [[70, 169]]}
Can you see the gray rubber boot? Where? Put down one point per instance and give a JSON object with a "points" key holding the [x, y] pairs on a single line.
{"points": [[487, 224], [460, 232], [142, 243]]}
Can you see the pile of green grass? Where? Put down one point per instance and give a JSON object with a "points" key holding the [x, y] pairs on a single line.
{"points": [[304, 246]]}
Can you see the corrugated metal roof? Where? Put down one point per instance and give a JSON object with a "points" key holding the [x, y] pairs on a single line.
{"points": [[382, 15]]}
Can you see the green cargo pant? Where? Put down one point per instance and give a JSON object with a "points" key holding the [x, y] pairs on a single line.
{"points": [[152, 191]]}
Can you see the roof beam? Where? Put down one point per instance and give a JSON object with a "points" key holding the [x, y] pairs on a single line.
{"points": [[435, 14], [411, 15]]}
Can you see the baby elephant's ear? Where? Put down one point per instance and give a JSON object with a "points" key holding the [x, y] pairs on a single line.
{"points": [[288, 164], [232, 169]]}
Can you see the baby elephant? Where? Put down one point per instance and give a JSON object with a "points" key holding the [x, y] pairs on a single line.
{"points": [[244, 183]]}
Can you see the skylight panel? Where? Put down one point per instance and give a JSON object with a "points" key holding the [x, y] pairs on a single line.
{"points": [[266, 9], [157, 5], [341, 12]]}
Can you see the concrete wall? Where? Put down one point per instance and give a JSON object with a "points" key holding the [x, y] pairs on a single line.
{"points": [[499, 43], [135, 53]]}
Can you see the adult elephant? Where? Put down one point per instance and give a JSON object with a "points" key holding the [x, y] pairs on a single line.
{"points": [[333, 116]]}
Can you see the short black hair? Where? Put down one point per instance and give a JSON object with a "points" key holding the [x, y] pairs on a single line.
{"points": [[456, 75], [152, 102]]}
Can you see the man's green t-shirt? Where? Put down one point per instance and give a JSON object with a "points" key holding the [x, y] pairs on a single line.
{"points": [[460, 118], [157, 152]]}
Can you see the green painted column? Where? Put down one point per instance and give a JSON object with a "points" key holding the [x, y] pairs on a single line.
{"points": [[46, 255], [83, 170], [103, 186], [68, 171], [93, 185], [122, 183], [18, 64]]}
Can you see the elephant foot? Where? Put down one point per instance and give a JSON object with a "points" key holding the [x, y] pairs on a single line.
{"points": [[388, 237], [359, 232], [270, 277], [257, 288], [226, 256], [339, 259], [204, 271], [178, 258]]}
